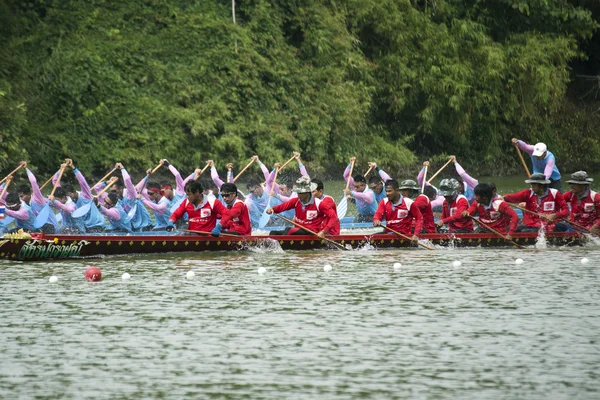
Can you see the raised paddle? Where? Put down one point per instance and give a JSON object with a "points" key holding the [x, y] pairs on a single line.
{"points": [[243, 169], [42, 217], [105, 177], [424, 179], [489, 228], [339, 246], [342, 207], [287, 162], [201, 172], [522, 160], [133, 209], [81, 211], [440, 170], [12, 173], [46, 183], [406, 237], [208, 233], [368, 171]]}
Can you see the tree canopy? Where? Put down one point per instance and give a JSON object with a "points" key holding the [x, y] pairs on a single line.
{"points": [[392, 81]]}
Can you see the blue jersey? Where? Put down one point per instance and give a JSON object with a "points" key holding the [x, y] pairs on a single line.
{"points": [[379, 197], [67, 219], [26, 225], [256, 207], [122, 223], [161, 221], [540, 165], [365, 209], [141, 218], [93, 218], [36, 208]]}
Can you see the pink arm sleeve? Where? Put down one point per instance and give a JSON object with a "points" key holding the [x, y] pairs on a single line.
{"points": [[437, 202], [185, 181], [383, 175], [131, 192], [158, 207], [264, 170], [65, 207], [111, 213], [303, 171], [470, 181], [367, 197], [37, 196], [215, 177], [347, 176], [22, 214], [525, 147], [178, 179], [86, 193]]}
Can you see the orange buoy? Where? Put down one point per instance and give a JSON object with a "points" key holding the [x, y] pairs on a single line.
{"points": [[93, 274]]}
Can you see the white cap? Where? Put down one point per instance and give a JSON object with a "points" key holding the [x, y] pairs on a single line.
{"points": [[539, 149]]}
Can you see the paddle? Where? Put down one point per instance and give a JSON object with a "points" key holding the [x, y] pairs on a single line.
{"points": [[12, 173], [368, 171], [201, 172], [196, 177], [287, 162], [342, 207], [243, 169], [105, 176], [522, 160], [2, 208], [42, 217], [46, 183], [81, 211], [489, 228], [209, 233], [264, 218], [440, 170], [406, 237], [424, 179], [541, 216], [339, 246]]}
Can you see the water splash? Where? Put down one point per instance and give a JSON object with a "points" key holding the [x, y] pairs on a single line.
{"points": [[265, 246]]}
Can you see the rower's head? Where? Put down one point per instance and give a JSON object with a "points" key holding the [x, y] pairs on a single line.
{"points": [[194, 192], [540, 150], [71, 192], [409, 188], [430, 192], [484, 193], [579, 182], [304, 188], [538, 183], [167, 189], [60, 194], [25, 193], [285, 188], [111, 200], [318, 192], [13, 202], [155, 191], [376, 184], [254, 187], [360, 183], [229, 193], [118, 187], [392, 190], [449, 188]]}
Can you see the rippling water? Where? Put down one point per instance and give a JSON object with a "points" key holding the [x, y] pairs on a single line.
{"points": [[487, 329]]}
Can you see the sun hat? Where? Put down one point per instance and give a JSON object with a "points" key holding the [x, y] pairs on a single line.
{"points": [[539, 149], [448, 187], [304, 185], [538, 178], [580, 178], [409, 184]]}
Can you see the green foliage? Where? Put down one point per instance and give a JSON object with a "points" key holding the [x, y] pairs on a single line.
{"points": [[393, 81]]}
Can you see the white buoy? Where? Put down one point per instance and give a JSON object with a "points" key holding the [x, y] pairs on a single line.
{"points": [[53, 279], [190, 275], [126, 276], [327, 268], [262, 270], [584, 260], [519, 261], [397, 266], [456, 264]]}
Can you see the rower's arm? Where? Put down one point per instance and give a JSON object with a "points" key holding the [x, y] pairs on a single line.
{"points": [[111, 213], [551, 161], [178, 179], [131, 192], [86, 193], [527, 148], [67, 207], [37, 196], [469, 180], [215, 177], [416, 213]]}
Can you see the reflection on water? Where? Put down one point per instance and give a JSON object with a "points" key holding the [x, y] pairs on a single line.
{"points": [[486, 329]]}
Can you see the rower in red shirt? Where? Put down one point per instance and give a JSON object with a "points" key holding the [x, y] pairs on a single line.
{"points": [[495, 213], [202, 211], [237, 220], [318, 194], [585, 203], [454, 206], [400, 212], [310, 211], [542, 200], [410, 190]]}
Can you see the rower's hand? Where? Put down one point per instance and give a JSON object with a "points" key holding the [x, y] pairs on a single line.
{"points": [[453, 159], [163, 161], [69, 163], [210, 163], [138, 196], [522, 204], [372, 165], [376, 222], [439, 224], [549, 217], [272, 193], [296, 155], [508, 237], [277, 165], [229, 166], [321, 234], [426, 164], [23, 164], [514, 140], [348, 192], [269, 210], [465, 214], [352, 159], [255, 158], [414, 238], [119, 165], [148, 172], [51, 198]]}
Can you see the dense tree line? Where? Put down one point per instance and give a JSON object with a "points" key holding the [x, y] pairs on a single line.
{"points": [[395, 81]]}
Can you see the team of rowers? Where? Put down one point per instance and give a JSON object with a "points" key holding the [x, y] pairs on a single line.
{"points": [[218, 207]]}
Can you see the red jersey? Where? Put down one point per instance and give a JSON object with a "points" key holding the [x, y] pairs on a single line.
{"points": [[584, 211], [237, 219], [335, 230], [203, 217], [499, 216], [400, 217], [316, 216], [424, 205], [452, 214], [551, 203]]}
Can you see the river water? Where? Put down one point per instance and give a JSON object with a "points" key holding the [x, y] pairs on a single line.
{"points": [[488, 329]]}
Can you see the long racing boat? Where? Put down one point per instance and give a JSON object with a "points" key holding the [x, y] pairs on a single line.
{"points": [[38, 247]]}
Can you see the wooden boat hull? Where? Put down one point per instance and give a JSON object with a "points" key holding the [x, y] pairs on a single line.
{"points": [[88, 246]]}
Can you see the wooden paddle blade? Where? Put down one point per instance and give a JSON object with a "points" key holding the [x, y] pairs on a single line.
{"points": [[81, 211], [342, 207], [42, 217]]}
